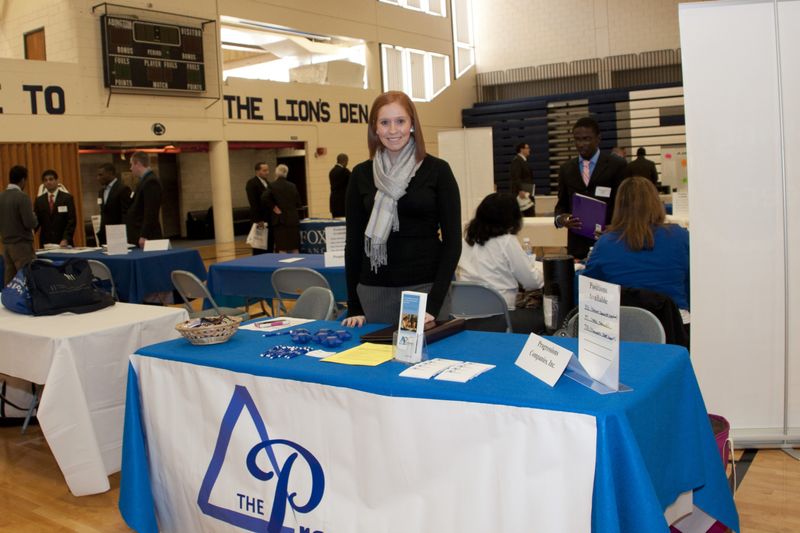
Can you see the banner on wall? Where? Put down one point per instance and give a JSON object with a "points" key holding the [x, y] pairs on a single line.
{"points": [[264, 454]]}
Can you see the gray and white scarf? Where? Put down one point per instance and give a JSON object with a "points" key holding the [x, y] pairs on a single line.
{"points": [[391, 181]]}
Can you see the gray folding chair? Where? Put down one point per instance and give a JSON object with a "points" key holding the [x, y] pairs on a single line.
{"points": [[294, 281], [190, 288], [469, 299], [315, 302], [635, 325], [103, 273]]}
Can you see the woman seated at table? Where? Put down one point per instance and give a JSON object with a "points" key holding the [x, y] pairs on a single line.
{"points": [[639, 250], [493, 256]]}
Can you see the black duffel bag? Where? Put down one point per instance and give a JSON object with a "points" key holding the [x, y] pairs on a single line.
{"points": [[62, 288]]}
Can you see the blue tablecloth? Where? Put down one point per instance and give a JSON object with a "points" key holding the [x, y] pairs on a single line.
{"points": [[250, 277], [653, 443], [312, 234], [139, 273]]}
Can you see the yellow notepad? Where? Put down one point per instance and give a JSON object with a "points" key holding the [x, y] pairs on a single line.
{"points": [[366, 354]]}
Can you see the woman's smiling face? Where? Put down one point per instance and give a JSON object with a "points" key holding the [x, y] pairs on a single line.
{"points": [[393, 127]]}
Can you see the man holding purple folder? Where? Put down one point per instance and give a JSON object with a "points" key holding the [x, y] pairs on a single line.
{"points": [[593, 176]]}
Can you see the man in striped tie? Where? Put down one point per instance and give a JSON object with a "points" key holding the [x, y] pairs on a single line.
{"points": [[593, 173]]}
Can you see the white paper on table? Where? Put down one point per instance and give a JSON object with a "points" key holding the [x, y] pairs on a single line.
{"points": [[257, 238], [335, 237], [598, 334], [78, 250], [116, 239], [543, 359], [334, 259], [680, 204], [156, 245], [291, 260], [320, 354], [275, 324], [464, 372], [428, 369]]}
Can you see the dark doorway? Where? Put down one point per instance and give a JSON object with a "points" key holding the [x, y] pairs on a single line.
{"points": [[169, 174]]}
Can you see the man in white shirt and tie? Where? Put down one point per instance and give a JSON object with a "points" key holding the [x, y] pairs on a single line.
{"points": [[55, 211]]}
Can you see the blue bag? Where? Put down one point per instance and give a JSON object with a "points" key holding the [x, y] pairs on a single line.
{"points": [[15, 295]]}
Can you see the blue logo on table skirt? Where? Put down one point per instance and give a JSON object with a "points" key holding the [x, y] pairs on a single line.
{"points": [[242, 515]]}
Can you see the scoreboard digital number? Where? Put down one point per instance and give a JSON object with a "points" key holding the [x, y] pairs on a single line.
{"points": [[153, 56]]}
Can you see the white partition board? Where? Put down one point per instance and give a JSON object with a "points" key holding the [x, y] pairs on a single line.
{"points": [[789, 31], [470, 154], [733, 126]]}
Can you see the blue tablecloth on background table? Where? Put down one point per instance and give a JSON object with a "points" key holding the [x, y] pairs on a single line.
{"points": [[312, 234], [250, 277], [653, 443], [138, 273]]}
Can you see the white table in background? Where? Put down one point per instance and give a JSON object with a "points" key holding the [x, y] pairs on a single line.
{"points": [[542, 232], [83, 362]]}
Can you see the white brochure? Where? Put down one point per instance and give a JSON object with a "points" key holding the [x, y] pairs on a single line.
{"points": [[334, 259], [464, 372], [598, 334], [335, 237], [543, 359], [117, 239], [411, 326], [156, 245], [428, 369], [291, 260]]}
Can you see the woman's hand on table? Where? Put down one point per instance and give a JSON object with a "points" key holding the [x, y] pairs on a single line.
{"points": [[354, 321]]}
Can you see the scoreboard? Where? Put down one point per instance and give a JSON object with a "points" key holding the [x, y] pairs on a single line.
{"points": [[150, 55]]}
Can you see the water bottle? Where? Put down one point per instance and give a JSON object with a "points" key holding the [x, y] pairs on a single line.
{"points": [[528, 249]]}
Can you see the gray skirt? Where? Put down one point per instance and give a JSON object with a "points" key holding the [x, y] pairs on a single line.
{"points": [[382, 304]]}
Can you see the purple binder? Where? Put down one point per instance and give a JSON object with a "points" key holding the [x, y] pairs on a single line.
{"points": [[591, 212]]}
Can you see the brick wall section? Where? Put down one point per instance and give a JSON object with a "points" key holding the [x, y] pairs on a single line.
{"points": [[59, 24]]}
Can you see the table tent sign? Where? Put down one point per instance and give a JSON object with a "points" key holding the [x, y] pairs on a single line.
{"points": [[157, 245], [116, 239], [335, 237], [597, 363]]}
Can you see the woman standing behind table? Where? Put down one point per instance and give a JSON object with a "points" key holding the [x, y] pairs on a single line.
{"points": [[493, 256], [639, 250], [398, 203], [283, 200]]}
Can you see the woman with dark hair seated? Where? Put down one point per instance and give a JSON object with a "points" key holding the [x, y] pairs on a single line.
{"points": [[493, 256], [639, 250]]}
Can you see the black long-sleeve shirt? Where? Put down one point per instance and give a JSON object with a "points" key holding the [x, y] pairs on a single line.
{"points": [[415, 253]]}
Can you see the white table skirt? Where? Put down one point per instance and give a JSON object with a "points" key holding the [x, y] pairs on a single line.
{"points": [[83, 361]]}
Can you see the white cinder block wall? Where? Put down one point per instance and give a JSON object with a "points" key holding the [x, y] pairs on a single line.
{"points": [[512, 34]]}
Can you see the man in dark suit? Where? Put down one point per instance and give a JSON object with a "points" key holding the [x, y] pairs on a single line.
{"points": [[522, 177], [339, 176], [17, 222], [283, 200], [142, 219], [114, 199], [55, 211], [259, 214], [641, 166], [593, 174]]}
